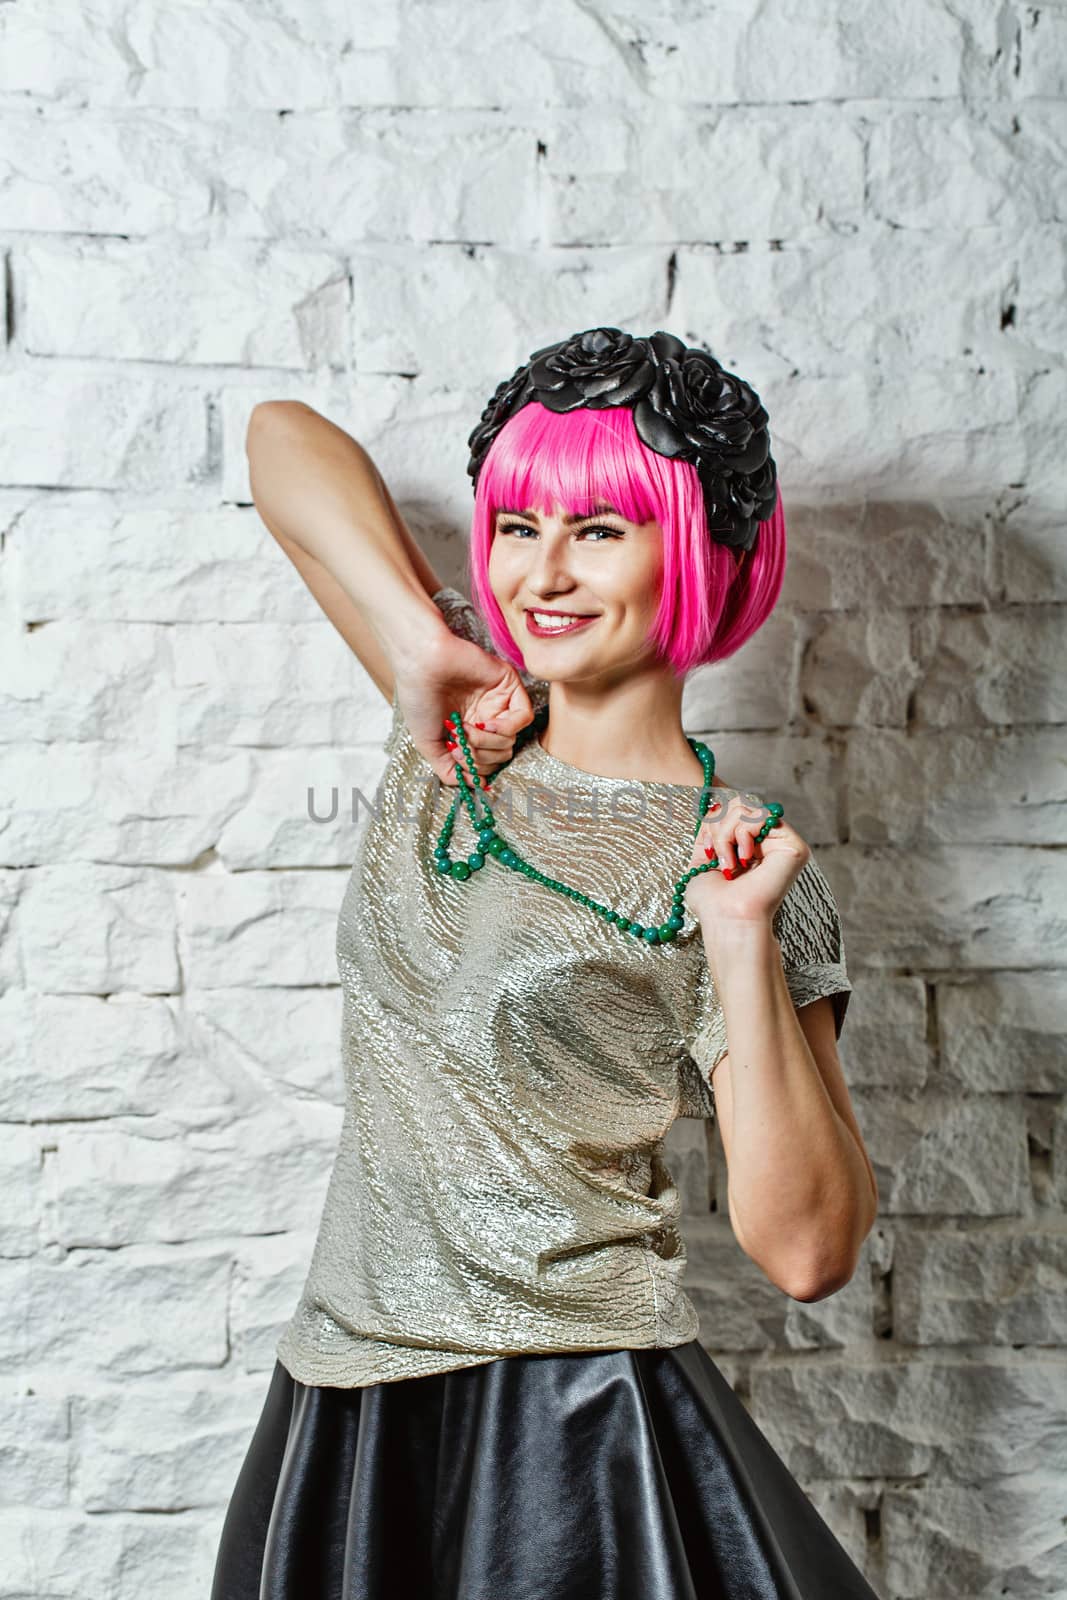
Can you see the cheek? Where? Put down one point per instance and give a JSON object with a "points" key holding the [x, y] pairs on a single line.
{"points": [[496, 566], [639, 589], [501, 554]]}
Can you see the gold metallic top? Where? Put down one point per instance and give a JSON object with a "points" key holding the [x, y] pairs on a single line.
{"points": [[512, 1065]]}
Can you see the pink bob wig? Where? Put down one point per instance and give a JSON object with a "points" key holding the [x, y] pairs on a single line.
{"points": [[707, 610]]}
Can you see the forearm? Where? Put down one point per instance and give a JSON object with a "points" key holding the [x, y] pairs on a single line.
{"points": [[316, 487], [799, 1187]]}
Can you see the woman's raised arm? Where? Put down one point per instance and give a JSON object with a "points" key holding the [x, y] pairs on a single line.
{"points": [[325, 502], [322, 498]]}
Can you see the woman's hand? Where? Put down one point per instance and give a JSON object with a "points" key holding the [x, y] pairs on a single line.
{"points": [[752, 879], [455, 674]]}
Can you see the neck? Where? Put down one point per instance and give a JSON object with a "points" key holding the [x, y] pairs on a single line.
{"points": [[634, 730]]}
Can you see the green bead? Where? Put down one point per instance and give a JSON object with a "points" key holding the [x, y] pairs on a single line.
{"points": [[444, 866], [486, 836], [637, 929], [651, 935], [475, 860], [461, 870], [623, 923], [675, 922], [497, 847]]}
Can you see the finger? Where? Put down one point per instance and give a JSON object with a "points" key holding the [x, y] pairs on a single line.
{"points": [[507, 723], [488, 737], [726, 851], [486, 757], [486, 762], [715, 841], [489, 747], [514, 714], [731, 839], [748, 851]]}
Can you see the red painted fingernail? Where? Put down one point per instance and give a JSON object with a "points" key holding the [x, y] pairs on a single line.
{"points": [[480, 725], [727, 872], [709, 853]]}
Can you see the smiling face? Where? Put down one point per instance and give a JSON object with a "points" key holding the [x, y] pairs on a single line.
{"points": [[599, 567]]}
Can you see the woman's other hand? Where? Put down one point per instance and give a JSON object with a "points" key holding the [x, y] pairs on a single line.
{"points": [[455, 674], [752, 878]]}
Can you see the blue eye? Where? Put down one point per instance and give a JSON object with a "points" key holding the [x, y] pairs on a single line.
{"points": [[521, 527]]}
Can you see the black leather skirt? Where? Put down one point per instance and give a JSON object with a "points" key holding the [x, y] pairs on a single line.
{"points": [[612, 1475]]}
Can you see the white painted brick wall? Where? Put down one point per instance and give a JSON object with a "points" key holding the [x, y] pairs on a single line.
{"points": [[380, 209]]}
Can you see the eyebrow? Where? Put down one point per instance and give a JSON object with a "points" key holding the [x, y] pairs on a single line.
{"points": [[599, 510]]}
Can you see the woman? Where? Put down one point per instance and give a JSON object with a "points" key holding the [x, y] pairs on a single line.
{"points": [[561, 931]]}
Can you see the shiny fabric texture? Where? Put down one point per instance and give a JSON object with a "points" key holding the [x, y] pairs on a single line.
{"points": [[620, 1475], [511, 1068]]}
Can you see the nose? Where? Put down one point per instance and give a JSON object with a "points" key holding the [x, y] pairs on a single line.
{"points": [[549, 573]]}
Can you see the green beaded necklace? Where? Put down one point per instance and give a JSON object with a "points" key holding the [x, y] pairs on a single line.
{"points": [[492, 843]]}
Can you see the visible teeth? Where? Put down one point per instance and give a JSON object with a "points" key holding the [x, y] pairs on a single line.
{"points": [[543, 620]]}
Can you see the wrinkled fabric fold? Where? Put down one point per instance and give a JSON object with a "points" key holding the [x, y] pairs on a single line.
{"points": [[615, 1475]]}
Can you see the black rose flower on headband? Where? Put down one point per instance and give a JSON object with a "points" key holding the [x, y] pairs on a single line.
{"points": [[602, 367], [685, 405]]}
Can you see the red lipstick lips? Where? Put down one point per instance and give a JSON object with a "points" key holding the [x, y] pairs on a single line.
{"points": [[553, 633]]}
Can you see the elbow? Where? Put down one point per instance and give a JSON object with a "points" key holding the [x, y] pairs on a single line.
{"points": [[265, 413], [819, 1285], [261, 413], [823, 1272], [818, 1278]]}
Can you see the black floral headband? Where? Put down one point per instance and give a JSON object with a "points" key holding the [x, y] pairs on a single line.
{"points": [[685, 405]]}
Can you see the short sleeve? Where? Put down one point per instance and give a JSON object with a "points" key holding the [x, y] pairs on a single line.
{"points": [[808, 929]]}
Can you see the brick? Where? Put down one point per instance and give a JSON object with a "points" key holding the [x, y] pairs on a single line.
{"points": [[236, 304], [1004, 1031], [947, 1540], [84, 429], [946, 1156], [946, 1421], [1001, 1288]]}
